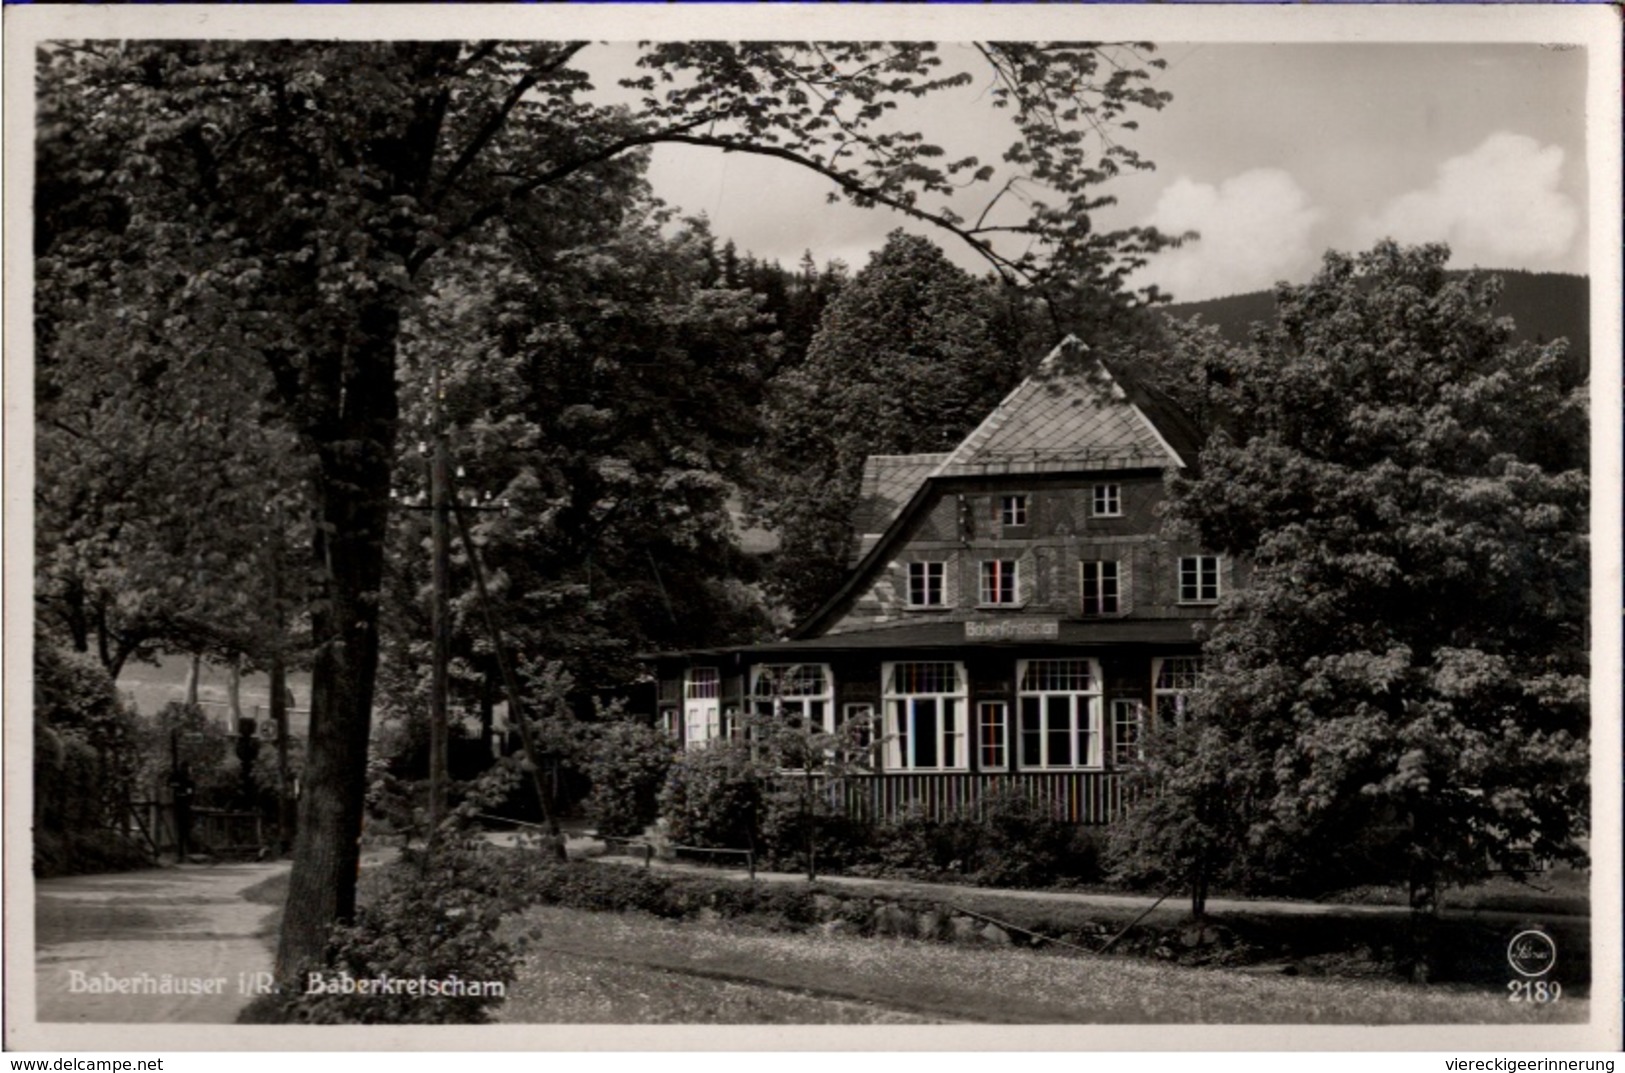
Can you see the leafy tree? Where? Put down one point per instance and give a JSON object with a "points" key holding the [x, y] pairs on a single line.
{"points": [[307, 192], [604, 398], [85, 759], [1186, 828], [904, 361], [1402, 681]]}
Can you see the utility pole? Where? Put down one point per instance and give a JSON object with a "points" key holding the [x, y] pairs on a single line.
{"points": [[516, 714], [439, 513]]}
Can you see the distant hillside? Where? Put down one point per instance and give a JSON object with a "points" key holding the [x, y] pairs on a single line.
{"points": [[1545, 306]]}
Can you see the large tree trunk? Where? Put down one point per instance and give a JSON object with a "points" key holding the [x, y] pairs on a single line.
{"points": [[352, 496], [346, 402]]}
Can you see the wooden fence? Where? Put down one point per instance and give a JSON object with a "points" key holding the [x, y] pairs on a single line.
{"points": [[215, 832], [1084, 797]]}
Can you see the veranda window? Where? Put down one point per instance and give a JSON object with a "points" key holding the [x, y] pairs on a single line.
{"points": [[1060, 714], [992, 735], [1128, 731], [802, 694], [925, 716], [1173, 681]]}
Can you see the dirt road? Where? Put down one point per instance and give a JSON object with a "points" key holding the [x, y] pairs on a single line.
{"points": [[159, 946]]}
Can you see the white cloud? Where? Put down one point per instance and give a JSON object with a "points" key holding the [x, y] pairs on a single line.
{"points": [[1254, 231], [1498, 206]]}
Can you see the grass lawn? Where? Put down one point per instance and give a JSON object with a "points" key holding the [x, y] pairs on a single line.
{"points": [[581, 967]]}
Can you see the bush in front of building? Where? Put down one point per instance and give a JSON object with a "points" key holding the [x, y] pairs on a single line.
{"points": [[628, 764], [1011, 842], [1022, 844], [794, 823], [714, 797]]}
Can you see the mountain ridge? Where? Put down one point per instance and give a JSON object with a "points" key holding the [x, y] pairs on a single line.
{"points": [[1544, 306]]}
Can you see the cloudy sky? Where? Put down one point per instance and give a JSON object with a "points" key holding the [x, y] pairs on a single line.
{"points": [[1273, 153]]}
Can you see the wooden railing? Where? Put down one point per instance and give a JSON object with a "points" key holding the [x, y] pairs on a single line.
{"points": [[1088, 797]]}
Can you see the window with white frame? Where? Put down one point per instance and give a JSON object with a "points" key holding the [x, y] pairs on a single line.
{"points": [[997, 581], [1108, 500], [702, 716], [1173, 680], [925, 716], [1060, 714], [926, 584], [992, 735], [1102, 587], [798, 694], [1198, 579], [856, 725], [1128, 731], [1012, 511]]}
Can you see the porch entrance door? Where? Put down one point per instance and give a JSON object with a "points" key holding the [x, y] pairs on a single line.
{"points": [[701, 718]]}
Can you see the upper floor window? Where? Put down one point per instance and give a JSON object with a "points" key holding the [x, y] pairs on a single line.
{"points": [[1102, 587], [998, 581], [1012, 511], [1108, 500], [1199, 579], [925, 584]]}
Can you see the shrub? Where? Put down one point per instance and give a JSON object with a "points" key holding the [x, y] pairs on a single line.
{"points": [[619, 888], [714, 797], [628, 764], [85, 750], [788, 818], [601, 888], [432, 919], [1014, 843], [913, 844], [1024, 845]]}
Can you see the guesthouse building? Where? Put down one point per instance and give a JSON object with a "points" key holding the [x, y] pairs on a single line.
{"points": [[1015, 615]]}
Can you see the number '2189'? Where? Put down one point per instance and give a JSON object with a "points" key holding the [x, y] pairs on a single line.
{"points": [[1538, 991]]}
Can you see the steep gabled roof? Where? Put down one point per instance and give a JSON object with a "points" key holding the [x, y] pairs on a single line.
{"points": [[1069, 415], [888, 483]]}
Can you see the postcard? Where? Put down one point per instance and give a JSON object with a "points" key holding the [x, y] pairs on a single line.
{"points": [[812, 528]]}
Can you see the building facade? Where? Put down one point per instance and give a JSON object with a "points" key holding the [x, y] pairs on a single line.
{"points": [[1015, 616]]}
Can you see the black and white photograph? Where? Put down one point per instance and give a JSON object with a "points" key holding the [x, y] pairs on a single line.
{"points": [[848, 528]]}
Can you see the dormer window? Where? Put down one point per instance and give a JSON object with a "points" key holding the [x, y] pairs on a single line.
{"points": [[1108, 501], [1012, 511]]}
